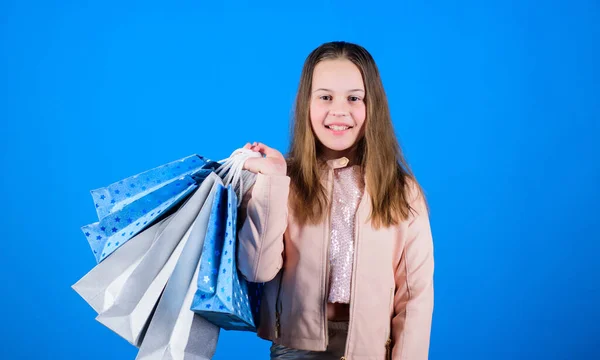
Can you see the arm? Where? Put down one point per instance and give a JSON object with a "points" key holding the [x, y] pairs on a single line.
{"points": [[264, 212], [413, 300]]}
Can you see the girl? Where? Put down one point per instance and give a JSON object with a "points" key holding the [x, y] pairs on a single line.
{"points": [[339, 231]]}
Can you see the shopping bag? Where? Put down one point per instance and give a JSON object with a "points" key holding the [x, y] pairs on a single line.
{"points": [[101, 285], [118, 195], [129, 314], [174, 326], [124, 288], [222, 296], [131, 205]]}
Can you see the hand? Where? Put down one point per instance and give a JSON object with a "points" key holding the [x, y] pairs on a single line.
{"points": [[272, 161]]}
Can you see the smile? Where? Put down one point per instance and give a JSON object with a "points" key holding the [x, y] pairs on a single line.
{"points": [[338, 128]]}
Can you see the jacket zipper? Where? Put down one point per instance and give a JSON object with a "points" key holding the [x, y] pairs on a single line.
{"points": [[327, 241], [354, 266], [388, 349], [278, 309], [388, 341]]}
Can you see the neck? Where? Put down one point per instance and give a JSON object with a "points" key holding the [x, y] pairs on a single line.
{"points": [[328, 154]]}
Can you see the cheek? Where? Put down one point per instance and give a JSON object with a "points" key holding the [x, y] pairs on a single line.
{"points": [[317, 113], [359, 113]]}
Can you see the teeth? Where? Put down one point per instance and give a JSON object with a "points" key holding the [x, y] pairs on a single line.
{"points": [[338, 128]]}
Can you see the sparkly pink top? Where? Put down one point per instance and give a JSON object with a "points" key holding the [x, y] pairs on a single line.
{"points": [[348, 187]]}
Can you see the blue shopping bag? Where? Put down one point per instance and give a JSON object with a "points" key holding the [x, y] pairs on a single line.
{"points": [[223, 296], [118, 195], [127, 207]]}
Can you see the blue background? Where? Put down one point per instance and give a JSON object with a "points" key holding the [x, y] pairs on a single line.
{"points": [[497, 105]]}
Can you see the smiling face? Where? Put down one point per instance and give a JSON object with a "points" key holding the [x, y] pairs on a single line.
{"points": [[337, 107]]}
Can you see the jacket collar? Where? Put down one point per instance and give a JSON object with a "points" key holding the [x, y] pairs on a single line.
{"points": [[338, 163], [366, 198]]}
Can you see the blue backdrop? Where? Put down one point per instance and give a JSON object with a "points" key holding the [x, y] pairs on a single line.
{"points": [[496, 103]]}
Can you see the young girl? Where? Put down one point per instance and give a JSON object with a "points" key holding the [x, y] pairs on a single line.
{"points": [[339, 231]]}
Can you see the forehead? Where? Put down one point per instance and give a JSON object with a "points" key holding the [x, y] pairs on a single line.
{"points": [[337, 75]]}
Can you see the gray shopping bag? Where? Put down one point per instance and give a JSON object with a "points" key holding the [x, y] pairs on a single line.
{"points": [[176, 332], [129, 314]]}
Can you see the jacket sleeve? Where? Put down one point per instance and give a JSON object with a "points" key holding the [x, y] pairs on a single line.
{"points": [[413, 299], [263, 216]]}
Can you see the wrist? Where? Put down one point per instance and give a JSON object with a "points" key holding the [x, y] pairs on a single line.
{"points": [[274, 170]]}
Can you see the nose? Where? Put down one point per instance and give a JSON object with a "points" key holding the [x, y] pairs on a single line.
{"points": [[339, 108], [339, 113]]}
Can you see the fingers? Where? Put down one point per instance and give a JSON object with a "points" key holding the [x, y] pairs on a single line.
{"points": [[268, 151], [251, 147], [263, 149], [252, 165], [256, 147]]}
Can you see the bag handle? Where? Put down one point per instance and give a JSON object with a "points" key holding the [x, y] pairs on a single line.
{"points": [[233, 167]]}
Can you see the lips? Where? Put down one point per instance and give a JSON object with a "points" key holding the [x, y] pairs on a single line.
{"points": [[338, 130], [338, 127]]}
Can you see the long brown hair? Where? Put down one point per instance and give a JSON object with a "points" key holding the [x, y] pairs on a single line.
{"points": [[379, 155]]}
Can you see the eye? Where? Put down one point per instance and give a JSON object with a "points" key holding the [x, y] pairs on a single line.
{"points": [[354, 98], [325, 97]]}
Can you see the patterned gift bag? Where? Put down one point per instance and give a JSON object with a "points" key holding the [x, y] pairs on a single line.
{"points": [[127, 207], [118, 195], [223, 295]]}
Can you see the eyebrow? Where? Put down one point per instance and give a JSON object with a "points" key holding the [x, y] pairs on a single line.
{"points": [[351, 90]]}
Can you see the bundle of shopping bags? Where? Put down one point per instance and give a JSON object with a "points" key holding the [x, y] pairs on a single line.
{"points": [[165, 242]]}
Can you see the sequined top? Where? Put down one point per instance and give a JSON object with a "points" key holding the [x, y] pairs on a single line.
{"points": [[348, 187]]}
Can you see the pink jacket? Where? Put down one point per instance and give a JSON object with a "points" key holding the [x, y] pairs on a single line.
{"points": [[392, 282]]}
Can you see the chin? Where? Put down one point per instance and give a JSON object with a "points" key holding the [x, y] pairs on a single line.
{"points": [[336, 146], [339, 148]]}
